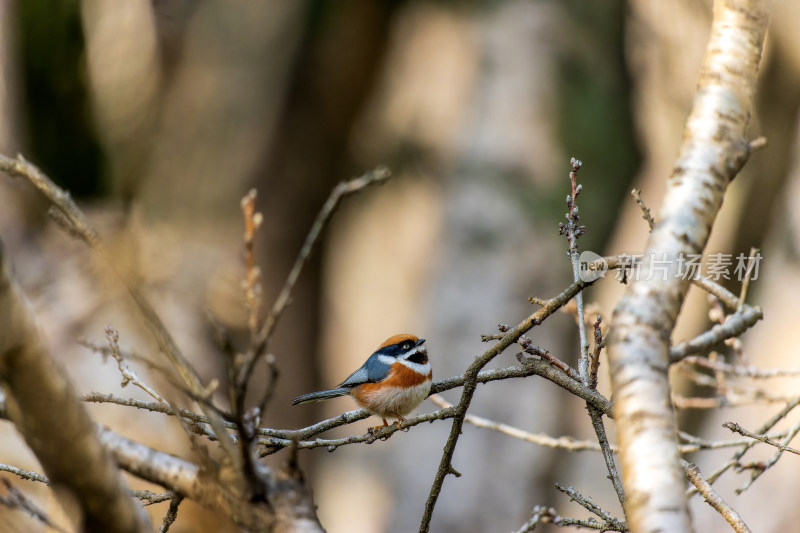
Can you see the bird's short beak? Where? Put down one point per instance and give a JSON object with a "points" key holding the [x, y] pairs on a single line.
{"points": [[421, 347]]}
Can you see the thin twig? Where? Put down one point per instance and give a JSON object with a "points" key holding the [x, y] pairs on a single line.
{"points": [[540, 515], [586, 368], [252, 282], [746, 280], [714, 499], [151, 498], [17, 499], [147, 497], [725, 296], [172, 514], [240, 365], [531, 349], [105, 351], [763, 466], [587, 503], [573, 231], [272, 444], [646, 214], [596, 417], [740, 370], [730, 399], [736, 324], [253, 299], [763, 429], [594, 358], [733, 426], [25, 474], [597, 420], [591, 523], [128, 375], [564, 443], [696, 444]]}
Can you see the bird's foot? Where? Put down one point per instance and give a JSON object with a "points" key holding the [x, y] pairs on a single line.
{"points": [[400, 421], [374, 430]]}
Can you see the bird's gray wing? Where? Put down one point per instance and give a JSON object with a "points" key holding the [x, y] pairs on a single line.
{"points": [[373, 371]]}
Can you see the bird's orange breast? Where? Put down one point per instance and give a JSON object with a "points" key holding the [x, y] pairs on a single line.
{"points": [[404, 377], [400, 376], [395, 396]]}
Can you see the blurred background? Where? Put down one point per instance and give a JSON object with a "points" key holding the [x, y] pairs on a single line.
{"points": [[159, 116]]}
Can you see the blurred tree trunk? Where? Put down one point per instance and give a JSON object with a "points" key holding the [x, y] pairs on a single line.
{"points": [[125, 74], [342, 50], [776, 118], [11, 123], [12, 127]]}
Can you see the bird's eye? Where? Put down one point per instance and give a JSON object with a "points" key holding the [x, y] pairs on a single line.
{"points": [[406, 346]]}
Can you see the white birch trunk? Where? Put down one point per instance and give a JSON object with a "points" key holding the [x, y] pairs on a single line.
{"points": [[713, 151]]}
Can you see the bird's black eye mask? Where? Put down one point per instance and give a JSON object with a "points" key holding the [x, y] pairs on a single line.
{"points": [[401, 348]]}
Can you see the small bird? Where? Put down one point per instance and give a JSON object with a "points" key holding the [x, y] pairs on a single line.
{"points": [[390, 384]]}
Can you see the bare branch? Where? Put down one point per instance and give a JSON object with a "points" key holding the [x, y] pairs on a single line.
{"points": [[594, 357], [172, 514], [289, 502], [252, 281], [25, 474], [733, 426], [696, 444], [150, 498], [16, 499], [128, 375], [735, 325], [540, 515], [587, 366], [748, 271], [587, 503], [147, 497], [714, 499], [272, 444], [564, 443], [646, 214], [763, 466], [573, 231], [740, 370], [766, 426], [531, 349]]}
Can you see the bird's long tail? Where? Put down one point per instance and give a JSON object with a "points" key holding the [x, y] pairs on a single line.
{"points": [[321, 395]]}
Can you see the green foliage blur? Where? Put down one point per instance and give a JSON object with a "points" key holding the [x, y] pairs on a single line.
{"points": [[60, 135]]}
